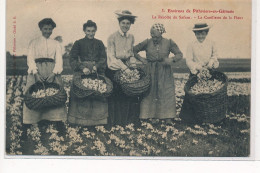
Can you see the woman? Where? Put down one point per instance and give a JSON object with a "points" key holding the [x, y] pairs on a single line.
{"points": [[45, 63], [201, 54], [160, 103], [122, 108], [88, 56]]}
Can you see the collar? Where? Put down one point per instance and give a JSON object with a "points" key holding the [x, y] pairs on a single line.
{"points": [[43, 38], [158, 42], [89, 39], [122, 34], [204, 42]]}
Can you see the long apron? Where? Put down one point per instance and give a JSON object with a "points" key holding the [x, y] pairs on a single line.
{"points": [[160, 102], [87, 111], [45, 68]]}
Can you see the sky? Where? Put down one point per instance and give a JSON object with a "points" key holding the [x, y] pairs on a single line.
{"points": [[232, 36]]}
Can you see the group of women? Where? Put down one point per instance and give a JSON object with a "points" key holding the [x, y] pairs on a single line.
{"points": [[89, 55]]}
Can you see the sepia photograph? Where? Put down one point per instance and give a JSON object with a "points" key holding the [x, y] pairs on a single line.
{"points": [[141, 79]]}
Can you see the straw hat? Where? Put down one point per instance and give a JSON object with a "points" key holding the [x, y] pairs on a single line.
{"points": [[124, 13], [201, 27]]}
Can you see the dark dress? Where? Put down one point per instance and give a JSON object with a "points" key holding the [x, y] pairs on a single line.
{"points": [[88, 111], [122, 108]]}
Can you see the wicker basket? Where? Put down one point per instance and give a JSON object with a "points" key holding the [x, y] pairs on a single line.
{"points": [[56, 100], [136, 88], [82, 92], [208, 108]]}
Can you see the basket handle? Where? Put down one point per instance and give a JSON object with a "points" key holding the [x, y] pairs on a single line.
{"points": [[44, 88], [97, 75], [97, 78]]}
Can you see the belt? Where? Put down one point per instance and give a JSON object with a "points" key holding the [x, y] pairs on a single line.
{"points": [[44, 60], [155, 60]]}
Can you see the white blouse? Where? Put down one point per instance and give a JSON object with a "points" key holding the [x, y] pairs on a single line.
{"points": [[119, 47], [200, 54], [44, 48]]}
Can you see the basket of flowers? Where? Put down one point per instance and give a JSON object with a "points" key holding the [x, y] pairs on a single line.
{"points": [[43, 94], [92, 85], [135, 83], [207, 93]]}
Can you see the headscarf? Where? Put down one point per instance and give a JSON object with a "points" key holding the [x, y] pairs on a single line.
{"points": [[159, 27]]}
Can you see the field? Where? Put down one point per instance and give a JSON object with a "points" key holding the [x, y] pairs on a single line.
{"points": [[230, 138]]}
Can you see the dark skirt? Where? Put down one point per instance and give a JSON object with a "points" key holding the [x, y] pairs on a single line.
{"points": [[122, 109], [187, 113], [87, 111]]}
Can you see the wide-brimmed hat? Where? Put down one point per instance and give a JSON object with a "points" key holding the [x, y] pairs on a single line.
{"points": [[201, 27], [123, 13]]}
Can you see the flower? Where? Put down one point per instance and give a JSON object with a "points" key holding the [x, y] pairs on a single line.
{"points": [[100, 146], [195, 141], [109, 142], [172, 149], [212, 132], [134, 153], [197, 126], [245, 131], [130, 127], [173, 138]]}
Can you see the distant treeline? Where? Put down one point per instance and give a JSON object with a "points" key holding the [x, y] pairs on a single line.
{"points": [[17, 65]]}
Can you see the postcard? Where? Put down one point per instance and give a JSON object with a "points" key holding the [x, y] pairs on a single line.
{"points": [[147, 79]]}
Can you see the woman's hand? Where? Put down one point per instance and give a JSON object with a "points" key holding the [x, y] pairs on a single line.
{"points": [[50, 79], [94, 69], [87, 64], [127, 71], [210, 64], [194, 71], [132, 62], [176, 58], [199, 67], [213, 64], [86, 71]]}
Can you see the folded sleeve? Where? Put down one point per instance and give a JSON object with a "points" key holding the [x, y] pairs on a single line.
{"points": [[112, 62], [32, 68], [74, 57], [140, 47], [176, 51], [58, 68]]}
